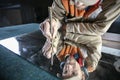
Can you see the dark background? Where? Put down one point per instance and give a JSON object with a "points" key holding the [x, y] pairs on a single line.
{"points": [[14, 12]]}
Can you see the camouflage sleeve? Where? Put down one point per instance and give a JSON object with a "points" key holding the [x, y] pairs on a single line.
{"points": [[111, 11]]}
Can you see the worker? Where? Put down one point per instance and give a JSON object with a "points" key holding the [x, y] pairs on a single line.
{"points": [[79, 24]]}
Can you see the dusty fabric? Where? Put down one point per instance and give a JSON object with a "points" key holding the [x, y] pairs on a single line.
{"points": [[87, 31]]}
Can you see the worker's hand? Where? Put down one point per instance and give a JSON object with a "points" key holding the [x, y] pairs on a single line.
{"points": [[47, 50], [46, 30], [90, 69], [51, 36]]}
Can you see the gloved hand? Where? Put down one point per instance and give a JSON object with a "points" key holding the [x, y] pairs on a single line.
{"points": [[51, 36], [47, 49], [46, 30]]}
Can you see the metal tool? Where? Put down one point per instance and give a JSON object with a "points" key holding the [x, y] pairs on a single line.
{"points": [[51, 30]]}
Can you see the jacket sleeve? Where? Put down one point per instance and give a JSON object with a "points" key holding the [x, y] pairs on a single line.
{"points": [[58, 10], [111, 11]]}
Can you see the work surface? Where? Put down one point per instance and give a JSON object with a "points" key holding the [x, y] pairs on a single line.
{"points": [[31, 65], [14, 67]]}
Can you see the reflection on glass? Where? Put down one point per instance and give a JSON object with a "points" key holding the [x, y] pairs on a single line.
{"points": [[11, 44]]}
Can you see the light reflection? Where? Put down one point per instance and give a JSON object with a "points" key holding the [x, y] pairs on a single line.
{"points": [[12, 44]]}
